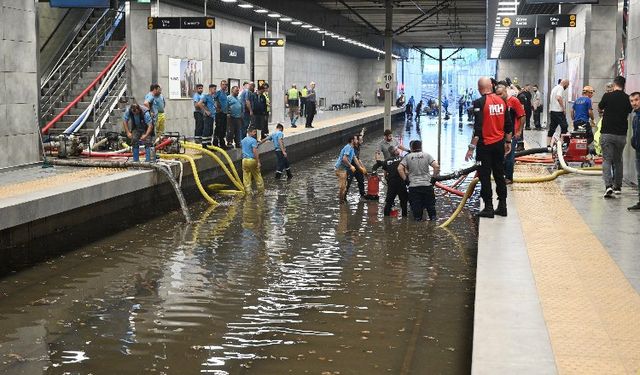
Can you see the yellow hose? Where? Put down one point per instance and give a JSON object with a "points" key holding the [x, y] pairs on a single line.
{"points": [[226, 156], [467, 194], [195, 173], [547, 178], [234, 180]]}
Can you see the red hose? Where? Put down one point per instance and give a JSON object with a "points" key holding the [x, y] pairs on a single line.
{"points": [[450, 189], [160, 145]]}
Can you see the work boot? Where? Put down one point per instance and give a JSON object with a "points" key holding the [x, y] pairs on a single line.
{"points": [[278, 175], [289, 175], [502, 208], [635, 207], [487, 211]]}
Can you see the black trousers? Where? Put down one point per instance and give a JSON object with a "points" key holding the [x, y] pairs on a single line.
{"points": [[360, 178], [234, 130], [492, 159], [282, 163], [557, 118], [303, 107], [207, 132], [311, 112], [221, 129], [396, 188], [260, 122], [536, 117], [527, 123], [422, 197], [199, 117]]}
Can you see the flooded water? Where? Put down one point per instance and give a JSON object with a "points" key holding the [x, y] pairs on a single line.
{"points": [[285, 283]]}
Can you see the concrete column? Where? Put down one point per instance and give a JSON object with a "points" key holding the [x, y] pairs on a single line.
{"points": [[388, 41], [601, 61], [142, 50], [19, 86], [633, 79], [269, 66]]}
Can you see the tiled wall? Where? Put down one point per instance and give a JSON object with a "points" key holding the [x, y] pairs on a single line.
{"points": [[18, 83]]}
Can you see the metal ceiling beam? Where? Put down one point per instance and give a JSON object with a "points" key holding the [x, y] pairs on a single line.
{"points": [[355, 13], [421, 18]]}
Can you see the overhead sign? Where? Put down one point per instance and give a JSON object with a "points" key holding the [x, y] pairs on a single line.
{"points": [[160, 23], [271, 42], [562, 2], [543, 21], [231, 54], [527, 42], [79, 3]]}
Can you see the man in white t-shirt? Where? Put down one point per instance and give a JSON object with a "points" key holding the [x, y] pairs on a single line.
{"points": [[557, 110], [414, 169]]}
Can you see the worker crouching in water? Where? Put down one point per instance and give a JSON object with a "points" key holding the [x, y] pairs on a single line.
{"points": [[344, 164], [414, 170], [282, 161], [492, 133], [251, 162], [395, 184], [138, 126]]}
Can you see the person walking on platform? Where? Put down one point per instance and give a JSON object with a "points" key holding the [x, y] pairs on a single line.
{"points": [[198, 113], [138, 125], [208, 101], [311, 104], [260, 114], [234, 118], [292, 101], [582, 113], [395, 184], [251, 162], [492, 134], [557, 110], [414, 170], [528, 105], [282, 161], [387, 141], [361, 171], [303, 101], [155, 102], [517, 116], [616, 107], [635, 140], [343, 165], [220, 133], [536, 104]]}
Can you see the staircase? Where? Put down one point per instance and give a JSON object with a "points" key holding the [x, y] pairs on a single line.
{"points": [[78, 69]]}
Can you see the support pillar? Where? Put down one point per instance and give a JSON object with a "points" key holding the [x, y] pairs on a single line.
{"points": [[439, 100], [388, 36]]}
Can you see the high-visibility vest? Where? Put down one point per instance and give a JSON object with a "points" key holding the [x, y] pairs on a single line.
{"points": [[293, 94], [304, 93]]}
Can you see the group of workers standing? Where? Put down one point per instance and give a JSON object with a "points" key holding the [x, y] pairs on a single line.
{"points": [[301, 103]]}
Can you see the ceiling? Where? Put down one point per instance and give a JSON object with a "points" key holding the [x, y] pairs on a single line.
{"points": [[416, 23]]}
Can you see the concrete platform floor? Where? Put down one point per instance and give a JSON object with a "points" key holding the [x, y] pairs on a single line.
{"points": [[557, 283]]}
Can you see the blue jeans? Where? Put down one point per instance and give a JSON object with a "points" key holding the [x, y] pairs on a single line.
{"points": [[510, 160], [638, 169]]}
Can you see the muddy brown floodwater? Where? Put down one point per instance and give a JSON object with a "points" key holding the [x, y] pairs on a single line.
{"points": [[284, 283]]}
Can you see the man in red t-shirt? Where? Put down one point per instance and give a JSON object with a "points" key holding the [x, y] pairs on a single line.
{"points": [[492, 133], [517, 114]]}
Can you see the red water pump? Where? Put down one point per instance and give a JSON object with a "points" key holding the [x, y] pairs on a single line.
{"points": [[373, 187], [576, 149]]}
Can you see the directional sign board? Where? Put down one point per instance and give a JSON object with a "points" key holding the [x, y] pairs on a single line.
{"points": [[271, 42], [543, 21], [527, 42], [160, 23]]}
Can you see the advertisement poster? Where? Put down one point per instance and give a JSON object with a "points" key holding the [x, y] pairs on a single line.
{"points": [[184, 75]]}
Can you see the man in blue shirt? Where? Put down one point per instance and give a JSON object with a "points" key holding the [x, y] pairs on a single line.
{"points": [[234, 117], [208, 102], [344, 164], [282, 162], [155, 102], [198, 112], [221, 115], [582, 112], [246, 116], [251, 162], [138, 126], [634, 98]]}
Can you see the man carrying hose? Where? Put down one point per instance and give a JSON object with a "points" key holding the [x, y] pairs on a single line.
{"points": [[395, 184], [344, 164], [492, 133]]}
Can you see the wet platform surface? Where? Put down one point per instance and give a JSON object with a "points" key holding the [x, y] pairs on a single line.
{"points": [[287, 282], [565, 268]]}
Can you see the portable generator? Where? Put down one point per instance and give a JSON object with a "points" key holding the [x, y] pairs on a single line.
{"points": [[575, 149]]}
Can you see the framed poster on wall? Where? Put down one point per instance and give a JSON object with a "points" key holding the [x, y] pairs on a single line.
{"points": [[184, 75], [233, 82]]}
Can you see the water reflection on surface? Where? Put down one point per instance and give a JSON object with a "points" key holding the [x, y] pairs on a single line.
{"points": [[285, 282]]}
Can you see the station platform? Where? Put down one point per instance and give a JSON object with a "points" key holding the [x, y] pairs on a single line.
{"points": [[29, 195], [558, 280]]}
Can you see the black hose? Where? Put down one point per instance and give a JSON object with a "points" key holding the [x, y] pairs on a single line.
{"points": [[455, 174], [531, 151]]}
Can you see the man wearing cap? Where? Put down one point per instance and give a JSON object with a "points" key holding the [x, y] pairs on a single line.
{"points": [[582, 112], [388, 141]]}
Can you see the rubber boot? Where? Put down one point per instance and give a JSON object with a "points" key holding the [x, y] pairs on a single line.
{"points": [[136, 153], [487, 211], [502, 208], [289, 175], [278, 175]]}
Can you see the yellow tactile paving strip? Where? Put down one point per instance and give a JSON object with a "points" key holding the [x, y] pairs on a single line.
{"points": [[25, 187], [591, 310]]}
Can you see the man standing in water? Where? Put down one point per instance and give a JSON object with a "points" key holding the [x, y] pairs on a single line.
{"points": [[414, 169], [492, 133], [251, 162], [344, 164]]}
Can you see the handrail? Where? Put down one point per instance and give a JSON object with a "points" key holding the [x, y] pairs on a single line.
{"points": [[66, 109], [88, 34]]}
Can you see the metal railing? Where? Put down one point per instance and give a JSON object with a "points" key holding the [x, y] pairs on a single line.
{"points": [[69, 69]]}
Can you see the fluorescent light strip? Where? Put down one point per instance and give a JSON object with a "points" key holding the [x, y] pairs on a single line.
{"points": [[261, 11]]}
